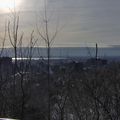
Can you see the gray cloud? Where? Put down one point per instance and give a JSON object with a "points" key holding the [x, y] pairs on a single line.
{"points": [[83, 20]]}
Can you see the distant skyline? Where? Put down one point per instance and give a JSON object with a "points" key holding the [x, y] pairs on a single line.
{"points": [[83, 22]]}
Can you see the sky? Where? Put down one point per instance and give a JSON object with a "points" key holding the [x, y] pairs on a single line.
{"points": [[79, 22]]}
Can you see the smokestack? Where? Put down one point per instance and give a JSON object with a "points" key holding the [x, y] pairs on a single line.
{"points": [[96, 56]]}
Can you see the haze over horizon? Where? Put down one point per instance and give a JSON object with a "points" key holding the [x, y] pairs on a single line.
{"points": [[83, 22], [66, 52]]}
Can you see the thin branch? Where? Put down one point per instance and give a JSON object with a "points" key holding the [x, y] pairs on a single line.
{"points": [[9, 34]]}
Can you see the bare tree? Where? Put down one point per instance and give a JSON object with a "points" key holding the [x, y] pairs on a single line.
{"points": [[48, 42], [15, 39]]}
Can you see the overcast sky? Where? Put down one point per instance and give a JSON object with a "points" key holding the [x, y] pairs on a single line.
{"points": [[83, 22]]}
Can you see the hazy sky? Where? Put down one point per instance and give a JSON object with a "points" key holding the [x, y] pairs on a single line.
{"points": [[83, 22]]}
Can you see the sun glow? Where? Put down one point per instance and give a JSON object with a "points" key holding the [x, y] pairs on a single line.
{"points": [[8, 5]]}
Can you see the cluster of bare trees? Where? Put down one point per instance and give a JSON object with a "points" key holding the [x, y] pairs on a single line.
{"points": [[29, 93], [87, 94], [16, 81]]}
